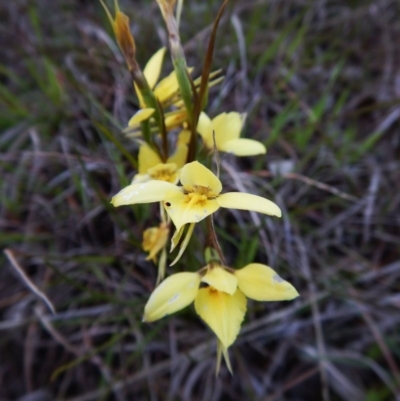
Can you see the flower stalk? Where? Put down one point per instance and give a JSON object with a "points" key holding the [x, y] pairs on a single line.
{"points": [[213, 251], [169, 126], [178, 58]]}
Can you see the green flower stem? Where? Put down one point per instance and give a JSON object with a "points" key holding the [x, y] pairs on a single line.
{"points": [[185, 82]]}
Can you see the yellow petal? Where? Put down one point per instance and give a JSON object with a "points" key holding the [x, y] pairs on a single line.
{"points": [[243, 201], [262, 283], [164, 172], [140, 178], [155, 239], [142, 103], [179, 156], [166, 88], [194, 175], [188, 208], [147, 192], [205, 129], [140, 116], [243, 147], [184, 243], [221, 350], [148, 158], [184, 137], [173, 294], [175, 118], [220, 279], [162, 265], [176, 238], [227, 126], [153, 67], [224, 313], [151, 73]]}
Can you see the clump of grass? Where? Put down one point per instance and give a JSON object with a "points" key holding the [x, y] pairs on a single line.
{"points": [[319, 82]]}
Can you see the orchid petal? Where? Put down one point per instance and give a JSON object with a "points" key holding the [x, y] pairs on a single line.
{"points": [[179, 156], [148, 158], [188, 208], [162, 264], [184, 243], [139, 95], [243, 147], [205, 129], [220, 279], [222, 312], [221, 350], [141, 115], [155, 239], [184, 137], [140, 178], [262, 283], [164, 172], [227, 126], [173, 294], [153, 67], [194, 175], [175, 118], [176, 238], [243, 201], [166, 88], [147, 192]]}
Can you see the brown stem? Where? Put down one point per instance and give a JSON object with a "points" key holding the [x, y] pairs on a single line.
{"points": [[163, 132], [212, 239]]}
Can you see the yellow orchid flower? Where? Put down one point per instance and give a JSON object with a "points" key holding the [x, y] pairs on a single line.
{"points": [[151, 72], [184, 136], [227, 127], [172, 119], [155, 241], [167, 88], [198, 197], [166, 91], [151, 166], [222, 303], [140, 116]]}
